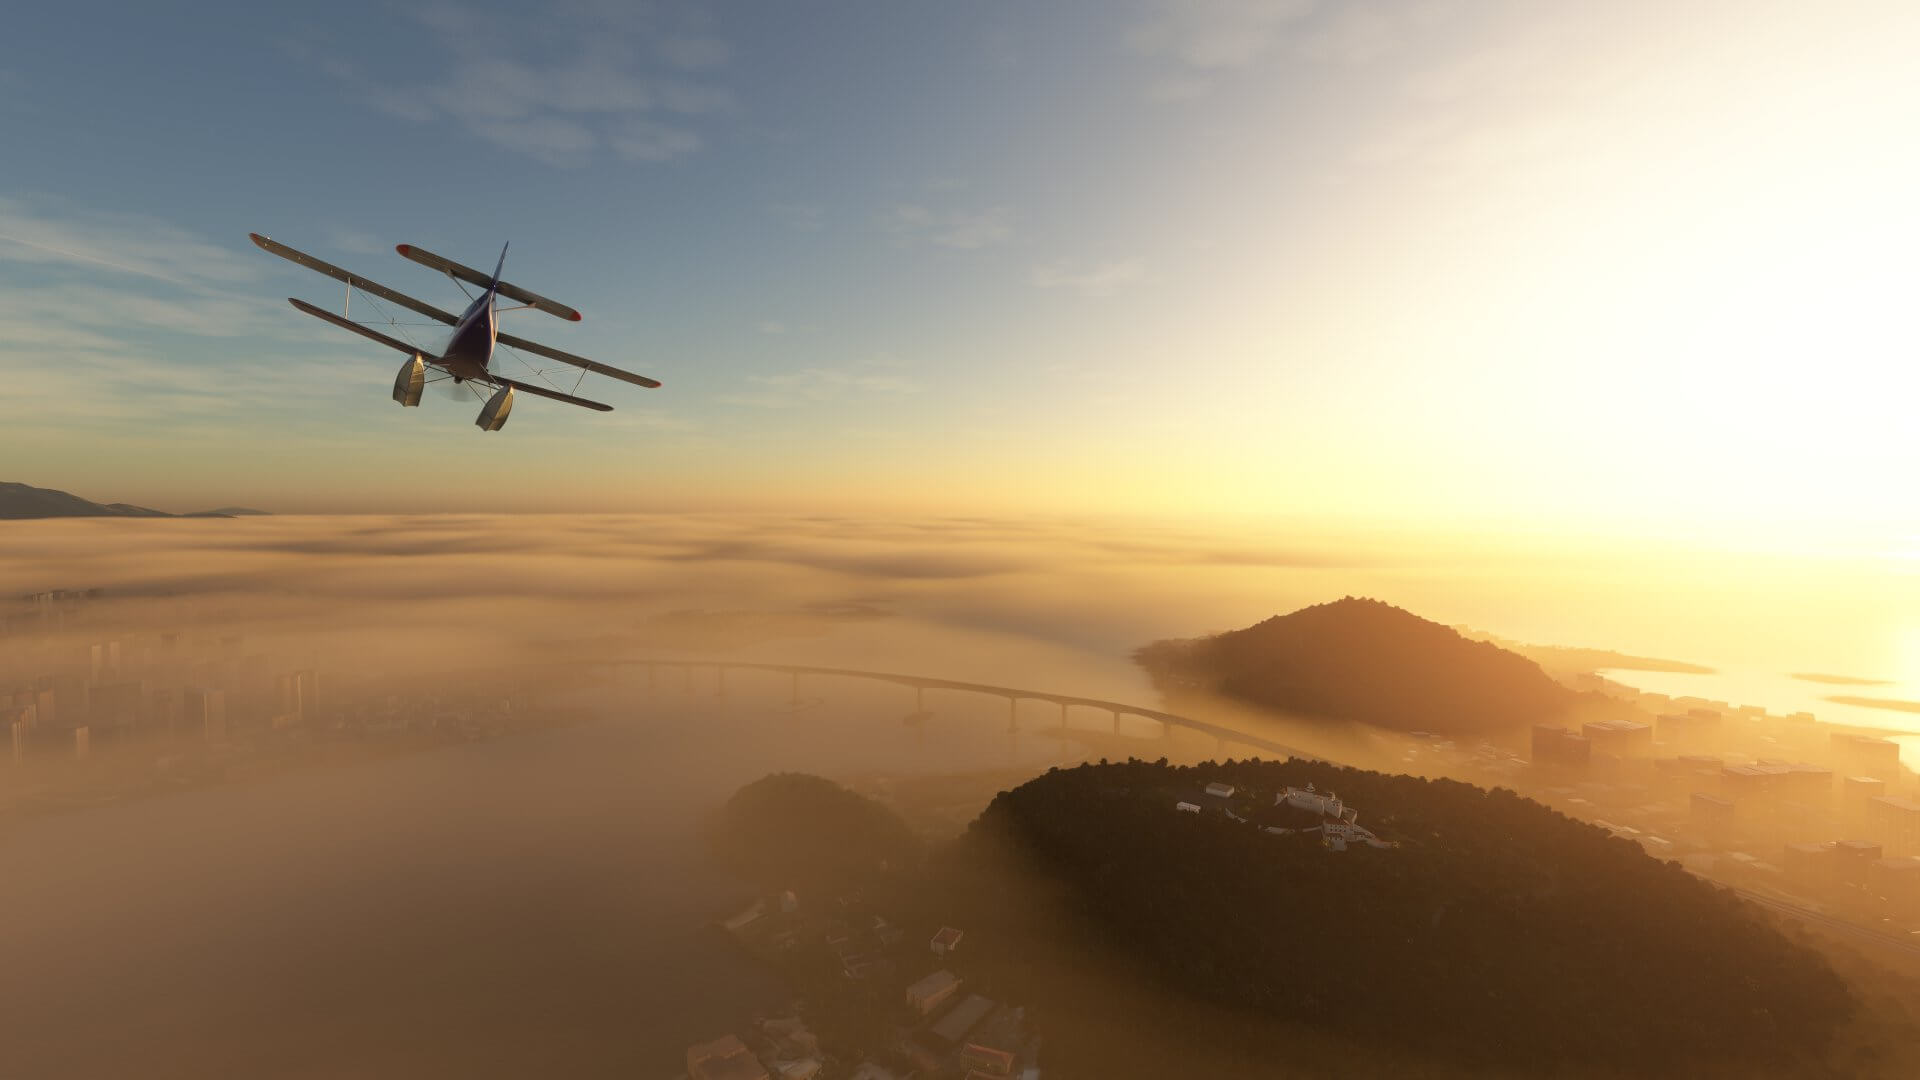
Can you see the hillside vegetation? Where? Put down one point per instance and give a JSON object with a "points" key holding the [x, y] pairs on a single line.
{"points": [[1499, 933], [792, 830], [1364, 660]]}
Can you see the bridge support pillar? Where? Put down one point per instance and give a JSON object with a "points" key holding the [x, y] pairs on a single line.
{"points": [[1013, 714], [1063, 716], [919, 699], [1116, 721]]}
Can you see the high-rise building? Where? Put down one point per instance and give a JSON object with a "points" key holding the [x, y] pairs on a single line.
{"points": [[206, 709], [1895, 822], [118, 704], [1896, 882], [103, 660], [1690, 731], [1713, 816], [1558, 747], [1866, 755], [296, 694], [1621, 738]]}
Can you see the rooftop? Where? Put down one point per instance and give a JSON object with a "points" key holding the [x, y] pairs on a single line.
{"points": [[933, 984], [1623, 726], [959, 1020], [725, 1058]]}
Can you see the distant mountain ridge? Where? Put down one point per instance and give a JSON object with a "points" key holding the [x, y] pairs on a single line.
{"points": [[23, 501], [1365, 660]]}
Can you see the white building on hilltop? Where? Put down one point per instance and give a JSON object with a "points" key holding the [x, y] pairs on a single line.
{"points": [[1325, 804], [1340, 833], [1337, 823]]}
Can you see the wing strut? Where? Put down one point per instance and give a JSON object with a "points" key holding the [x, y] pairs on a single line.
{"points": [[353, 281]]}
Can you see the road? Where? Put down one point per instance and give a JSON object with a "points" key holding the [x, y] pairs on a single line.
{"points": [[1900, 945]]}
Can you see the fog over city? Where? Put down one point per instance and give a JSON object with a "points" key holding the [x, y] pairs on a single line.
{"points": [[429, 795]]}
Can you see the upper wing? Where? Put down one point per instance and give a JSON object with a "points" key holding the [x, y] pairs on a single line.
{"points": [[577, 361], [475, 277], [337, 274]]}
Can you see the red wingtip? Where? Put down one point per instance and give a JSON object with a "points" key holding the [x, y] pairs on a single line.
{"points": [[255, 237], [403, 248], [576, 316]]}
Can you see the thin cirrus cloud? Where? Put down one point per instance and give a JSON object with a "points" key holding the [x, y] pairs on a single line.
{"points": [[624, 86], [962, 229], [1198, 41], [128, 244], [814, 385], [106, 290], [1095, 279]]}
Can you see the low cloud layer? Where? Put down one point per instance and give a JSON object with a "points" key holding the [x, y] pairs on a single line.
{"points": [[963, 598]]}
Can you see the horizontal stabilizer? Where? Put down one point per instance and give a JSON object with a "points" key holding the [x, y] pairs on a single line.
{"points": [[474, 277], [371, 288], [594, 366]]}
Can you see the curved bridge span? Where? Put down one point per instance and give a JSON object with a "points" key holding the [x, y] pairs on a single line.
{"points": [[1225, 737], [920, 684]]}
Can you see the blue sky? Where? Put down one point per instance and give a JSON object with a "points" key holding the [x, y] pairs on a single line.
{"points": [[1220, 255]]}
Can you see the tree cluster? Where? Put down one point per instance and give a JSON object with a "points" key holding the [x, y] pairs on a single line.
{"points": [[792, 830], [1499, 932], [1358, 659]]}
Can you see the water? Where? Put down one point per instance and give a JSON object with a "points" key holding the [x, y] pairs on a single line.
{"points": [[1781, 693]]}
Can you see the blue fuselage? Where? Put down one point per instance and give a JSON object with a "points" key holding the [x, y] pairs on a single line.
{"points": [[469, 351]]}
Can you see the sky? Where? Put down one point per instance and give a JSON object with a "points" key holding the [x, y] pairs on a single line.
{"points": [[1442, 263]]}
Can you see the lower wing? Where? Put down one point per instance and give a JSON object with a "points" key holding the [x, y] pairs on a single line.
{"points": [[395, 343]]}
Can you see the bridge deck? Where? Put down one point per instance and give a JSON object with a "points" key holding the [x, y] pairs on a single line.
{"points": [[1012, 693]]}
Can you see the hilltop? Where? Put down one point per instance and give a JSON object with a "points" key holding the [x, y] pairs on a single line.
{"points": [[793, 829], [1496, 933], [22, 501], [1153, 925], [1364, 660]]}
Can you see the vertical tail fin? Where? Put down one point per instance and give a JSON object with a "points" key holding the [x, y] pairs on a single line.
{"points": [[501, 265]]}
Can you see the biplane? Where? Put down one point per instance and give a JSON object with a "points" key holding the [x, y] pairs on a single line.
{"points": [[467, 359]]}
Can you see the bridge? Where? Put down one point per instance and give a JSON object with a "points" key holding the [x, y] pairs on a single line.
{"points": [[920, 684], [1223, 736]]}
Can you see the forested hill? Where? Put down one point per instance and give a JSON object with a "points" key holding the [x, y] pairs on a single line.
{"points": [[1497, 932], [18, 501], [1358, 659], [792, 830]]}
